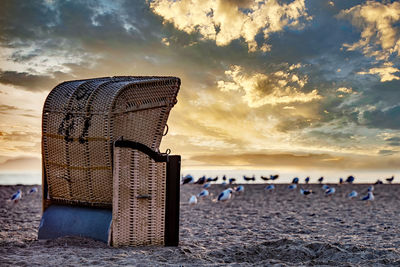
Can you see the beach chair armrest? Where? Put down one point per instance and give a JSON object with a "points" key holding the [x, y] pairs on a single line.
{"points": [[145, 195]]}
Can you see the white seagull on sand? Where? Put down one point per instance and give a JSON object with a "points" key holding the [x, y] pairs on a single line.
{"points": [[270, 187], [369, 197], [33, 190], [330, 191], [225, 195], [188, 179], [193, 200], [353, 194], [203, 194], [207, 185], [305, 192], [325, 187], [17, 196], [239, 189], [292, 186]]}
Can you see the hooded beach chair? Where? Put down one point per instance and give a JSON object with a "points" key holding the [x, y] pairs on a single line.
{"points": [[103, 174]]}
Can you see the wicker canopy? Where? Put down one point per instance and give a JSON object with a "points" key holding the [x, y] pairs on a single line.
{"points": [[81, 121]]}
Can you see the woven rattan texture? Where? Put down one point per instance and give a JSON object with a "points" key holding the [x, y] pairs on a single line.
{"points": [[82, 119], [139, 199]]}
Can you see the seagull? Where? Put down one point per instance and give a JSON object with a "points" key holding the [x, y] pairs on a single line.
{"points": [[188, 179], [378, 182], [239, 189], [209, 179], [206, 185], [350, 179], [292, 186], [305, 192], [341, 181], [232, 180], [353, 194], [295, 180], [193, 200], [325, 187], [17, 196], [224, 178], [390, 180], [33, 190], [270, 187], [369, 197], [265, 178], [274, 177], [201, 180], [330, 191], [320, 180], [204, 193], [307, 180], [225, 195], [249, 178], [371, 188]]}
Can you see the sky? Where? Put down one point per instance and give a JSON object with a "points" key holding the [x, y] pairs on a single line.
{"points": [[293, 84]]}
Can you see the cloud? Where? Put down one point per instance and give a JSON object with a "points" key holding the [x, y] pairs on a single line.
{"points": [[7, 108], [385, 72], [295, 123], [386, 152], [302, 161], [393, 141], [21, 163], [388, 118], [335, 136], [378, 23], [281, 87], [225, 21], [20, 136], [28, 81], [345, 90], [20, 143]]}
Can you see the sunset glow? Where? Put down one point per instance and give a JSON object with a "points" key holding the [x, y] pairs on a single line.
{"points": [[265, 84]]}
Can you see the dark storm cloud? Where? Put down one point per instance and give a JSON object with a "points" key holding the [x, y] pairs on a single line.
{"points": [[30, 82], [89, 24], [387, 119], [23, 21], [107, 39], [387, 93]]}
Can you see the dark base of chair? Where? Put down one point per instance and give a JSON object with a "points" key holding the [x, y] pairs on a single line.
{"points": [[58, 221]]}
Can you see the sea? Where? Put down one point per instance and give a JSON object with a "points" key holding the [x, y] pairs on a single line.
{"points": [[285, 176]]}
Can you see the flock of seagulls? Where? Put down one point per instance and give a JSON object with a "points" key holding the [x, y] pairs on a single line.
{"points": [[17, 196], [226, 194]]}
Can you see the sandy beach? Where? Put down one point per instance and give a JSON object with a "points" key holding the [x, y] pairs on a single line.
{"points": [[279, 228]]}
